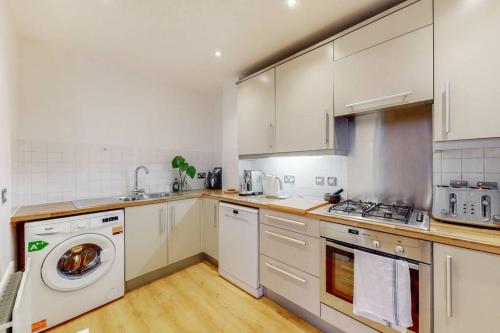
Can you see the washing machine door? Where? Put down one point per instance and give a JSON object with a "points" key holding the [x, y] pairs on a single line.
{"points": [[78, 262]]}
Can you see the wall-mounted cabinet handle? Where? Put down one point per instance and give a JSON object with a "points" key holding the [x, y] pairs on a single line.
{"points": [[379, 99], [280, 219], [327, 127], [288, 239], [449, 299], [447, 110], [290, 275], [270, 135]]}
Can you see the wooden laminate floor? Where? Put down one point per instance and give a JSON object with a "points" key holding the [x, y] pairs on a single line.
{"points": [[195, 299]]}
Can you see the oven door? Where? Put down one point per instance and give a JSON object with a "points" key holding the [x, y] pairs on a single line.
{"points": [[337, 286]]}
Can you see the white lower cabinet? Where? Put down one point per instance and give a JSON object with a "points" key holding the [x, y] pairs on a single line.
{"points": [[466, 290], [210, 227], [145, 239], [291, 283], [184, 234]]}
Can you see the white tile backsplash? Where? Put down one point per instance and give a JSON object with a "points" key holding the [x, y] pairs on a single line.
{"points": [[305, 169], [48, 172], [472, 165]]}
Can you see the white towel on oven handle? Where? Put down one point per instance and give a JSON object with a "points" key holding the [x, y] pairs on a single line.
{"points": [[382, 290]]}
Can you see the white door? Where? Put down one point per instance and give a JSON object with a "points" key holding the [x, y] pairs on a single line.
{"points": [[256, 116], [210, 227], [145, 239], [184, 236], [396, 72], [466, 290], [6, 88], [467, 74], [78, 262], [304, 102]]}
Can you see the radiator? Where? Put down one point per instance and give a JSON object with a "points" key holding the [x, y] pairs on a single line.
{"points": [[15, 300]]}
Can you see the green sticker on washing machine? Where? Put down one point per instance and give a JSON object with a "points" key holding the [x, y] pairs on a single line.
{"points": [[36, 246]]}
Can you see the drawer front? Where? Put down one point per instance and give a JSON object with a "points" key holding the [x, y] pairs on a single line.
{"points": [[296, 286], [403, 21], [290, 222], [297, 250], [343, 322]]}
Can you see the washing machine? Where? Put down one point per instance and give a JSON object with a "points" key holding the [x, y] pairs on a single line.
{"points": [[77, 264]]}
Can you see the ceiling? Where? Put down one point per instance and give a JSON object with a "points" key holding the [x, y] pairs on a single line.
{"points": [[175, 40]]}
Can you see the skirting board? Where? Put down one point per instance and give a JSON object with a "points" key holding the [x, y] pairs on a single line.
{"points": [[257, 293], [300, 312]]}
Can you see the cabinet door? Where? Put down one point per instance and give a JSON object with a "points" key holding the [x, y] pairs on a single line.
{"points": [[145, 239], [466, 290], [256, 116], [304, 102], [210, 227], [467, 74], [396, 72], [184, 237]]}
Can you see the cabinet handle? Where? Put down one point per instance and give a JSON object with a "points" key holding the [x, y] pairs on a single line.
{"points": [[172, 219], [270, 135], [286, 273], [449, 309], [379, 99], [447, 110], [215, 216], [279, 219], [327, 127], [289, 239], [162, 221]]}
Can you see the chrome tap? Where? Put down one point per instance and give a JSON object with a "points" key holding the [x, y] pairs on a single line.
{"points": [[137, 190]]}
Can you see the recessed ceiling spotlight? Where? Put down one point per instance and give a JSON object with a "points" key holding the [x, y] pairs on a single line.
{"points": [[218, 54], [291, 3]]}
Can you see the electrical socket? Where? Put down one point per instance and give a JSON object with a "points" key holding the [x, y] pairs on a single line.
{"points": [[289, 179], [332, 181], [320, 180], [202, 175]]}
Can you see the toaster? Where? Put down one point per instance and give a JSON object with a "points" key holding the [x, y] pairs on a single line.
{"points": [[460, 203]]}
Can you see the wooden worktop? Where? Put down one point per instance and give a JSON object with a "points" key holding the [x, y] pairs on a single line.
{"points": [[67, 208], [487, 240]]}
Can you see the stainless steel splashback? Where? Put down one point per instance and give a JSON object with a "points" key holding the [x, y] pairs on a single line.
{"points": [[390, 156]]}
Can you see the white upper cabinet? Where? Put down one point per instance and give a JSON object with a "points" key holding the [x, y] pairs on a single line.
{"points": [[256, 116], [467, 71], [466, 290], [304, 102], [386, 63]]}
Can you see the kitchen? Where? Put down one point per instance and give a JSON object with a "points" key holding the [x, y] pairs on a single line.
{"points": [[304, 166]]}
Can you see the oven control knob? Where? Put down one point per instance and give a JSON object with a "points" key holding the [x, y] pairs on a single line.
{"points": [[376, 244], [399, 249]]}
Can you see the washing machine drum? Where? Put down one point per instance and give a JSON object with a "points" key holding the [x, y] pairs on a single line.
{"points": [[78, 262]]}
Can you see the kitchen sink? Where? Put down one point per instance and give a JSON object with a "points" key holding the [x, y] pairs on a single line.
{"points": [[145, 196]]}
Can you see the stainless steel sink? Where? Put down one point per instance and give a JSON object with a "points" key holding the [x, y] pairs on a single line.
{"points": [[145, 196]]}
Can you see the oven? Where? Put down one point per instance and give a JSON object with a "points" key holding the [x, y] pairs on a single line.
{"points": [[337, 274]]}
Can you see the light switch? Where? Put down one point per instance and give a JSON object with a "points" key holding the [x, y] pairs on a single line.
{"points": [[320, 180]]}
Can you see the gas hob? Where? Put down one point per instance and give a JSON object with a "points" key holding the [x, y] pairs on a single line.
{"points": [[396, 214]]}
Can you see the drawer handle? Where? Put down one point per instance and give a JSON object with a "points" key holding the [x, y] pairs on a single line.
{"points": [[279, 219], [290, 239], [286, 273]]}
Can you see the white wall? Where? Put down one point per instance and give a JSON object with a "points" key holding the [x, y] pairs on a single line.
{"points": [[84, 125], [229, 136], [6, 119]]}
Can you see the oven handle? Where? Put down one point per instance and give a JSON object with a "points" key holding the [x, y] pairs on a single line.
{"points": [[351, 250]]}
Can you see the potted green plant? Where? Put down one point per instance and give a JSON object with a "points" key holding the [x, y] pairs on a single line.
{"points": [[184, 169]]}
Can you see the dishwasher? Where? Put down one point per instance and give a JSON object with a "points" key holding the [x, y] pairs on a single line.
{"points": [[239, 247]]}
